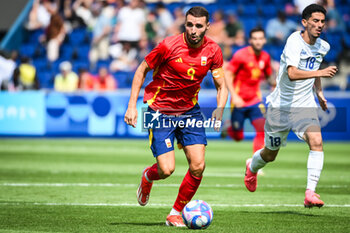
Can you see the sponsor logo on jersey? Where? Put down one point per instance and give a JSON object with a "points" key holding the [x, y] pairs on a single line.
{"points": [[303, 52], [179, 60], [203, 61]]}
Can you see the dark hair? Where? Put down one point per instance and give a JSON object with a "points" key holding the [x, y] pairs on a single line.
{"points": [[307, 12], [198, 11], [256, 29]]}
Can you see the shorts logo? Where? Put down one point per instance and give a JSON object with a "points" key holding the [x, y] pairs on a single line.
{"points": [[203, 61], [168, 142]]}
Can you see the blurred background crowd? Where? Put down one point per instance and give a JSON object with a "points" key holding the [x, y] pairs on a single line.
{"points": [[71, 45]]}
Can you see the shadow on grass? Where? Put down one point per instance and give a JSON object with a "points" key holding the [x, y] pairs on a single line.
{"points": [[138, 223]]}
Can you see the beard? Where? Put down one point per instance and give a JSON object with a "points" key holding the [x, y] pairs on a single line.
{"points": [[195, 42]]}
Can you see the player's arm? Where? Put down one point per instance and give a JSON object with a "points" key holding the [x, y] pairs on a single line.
{"points": [[321, 99], [131, 113], [229, 81], [221, 97], [296, 74]]}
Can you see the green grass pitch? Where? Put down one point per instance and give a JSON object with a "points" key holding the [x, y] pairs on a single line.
{"points": [[86, 185]]}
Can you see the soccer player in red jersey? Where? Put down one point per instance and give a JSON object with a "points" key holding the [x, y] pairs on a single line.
{"points": [[244, 72], [179, 64]]}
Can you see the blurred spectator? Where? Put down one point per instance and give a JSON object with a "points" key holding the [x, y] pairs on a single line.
{"points": [[66, 80], [165, 20], [40, 14], [131, 20], [124, 57], [7, 67], [301, 4], [104, 81], [279, 28], [86, 80], [143, 50], [101, 33], [335, 22], [217, 30], [25, 76], [178, 25], [234, 31], [152, 27], [54, 37], [82, 10]]}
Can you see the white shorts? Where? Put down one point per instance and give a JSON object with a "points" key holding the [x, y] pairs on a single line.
{"points": [[280, 121]]}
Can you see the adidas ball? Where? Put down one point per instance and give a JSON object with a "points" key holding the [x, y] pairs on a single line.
{"points": [[197, 214]]}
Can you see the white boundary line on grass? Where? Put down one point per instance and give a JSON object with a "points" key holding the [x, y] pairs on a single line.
{"points": [[159, 204], [159, 185]]}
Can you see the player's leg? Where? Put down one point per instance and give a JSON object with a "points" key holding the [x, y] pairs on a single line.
{"points": [[276, 132], [193, 140], [161, 143], [313, 137], [237, 121], [256, 115]]}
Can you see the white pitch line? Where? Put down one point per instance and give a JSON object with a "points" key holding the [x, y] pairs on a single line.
{"points": [[159, 185], [161, 205]]}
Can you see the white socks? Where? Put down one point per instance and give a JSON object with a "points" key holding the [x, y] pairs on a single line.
{"points": [[174, 212], [314, 168], [257, 162]]}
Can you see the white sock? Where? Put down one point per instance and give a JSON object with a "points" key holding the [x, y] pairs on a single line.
{"points": [[174, 212], [257, 162], [314, 168]]}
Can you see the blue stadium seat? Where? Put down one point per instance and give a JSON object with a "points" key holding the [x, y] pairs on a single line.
{"points": [[249, 23], [41, 64], [78, 36], [250, 10], [46, 79], [269, 11], [33, 36], [332, 87], [83, 52], [66, 51], [27, 50], [208, 82], [122, 79]]}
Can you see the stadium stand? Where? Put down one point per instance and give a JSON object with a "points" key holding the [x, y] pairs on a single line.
{"points": [[252, 13]]}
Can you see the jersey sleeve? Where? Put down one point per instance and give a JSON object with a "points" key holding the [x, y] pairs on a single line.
{"points": [[157, 55], [234, 63], [218, 60], [292, 52]]}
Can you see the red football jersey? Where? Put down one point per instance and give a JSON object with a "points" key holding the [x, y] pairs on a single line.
{"points": [[249, 69], [178, 71]]}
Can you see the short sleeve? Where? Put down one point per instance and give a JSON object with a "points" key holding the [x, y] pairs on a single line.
{"points": [[218, 60], [157, 55], [235, 63], [292, 51]]}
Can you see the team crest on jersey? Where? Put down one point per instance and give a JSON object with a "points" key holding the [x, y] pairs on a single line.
{"points": [[303, 52], [203, 61], [261, 64], [168, 142]]}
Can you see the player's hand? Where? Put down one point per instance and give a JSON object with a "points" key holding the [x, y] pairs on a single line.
{"points": [[322, 100], [130, 117], [329, 72], [237, 101], [217, 117]]}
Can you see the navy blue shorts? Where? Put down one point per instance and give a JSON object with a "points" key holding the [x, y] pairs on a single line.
{"points": [[162, 138], [252, 112]]}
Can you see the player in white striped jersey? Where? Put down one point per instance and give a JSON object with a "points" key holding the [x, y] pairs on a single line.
{"points": [[292, 105]]}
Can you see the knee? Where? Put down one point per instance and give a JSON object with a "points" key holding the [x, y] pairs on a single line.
{"points": [[166, 172], [316, 144], [197, 169]]}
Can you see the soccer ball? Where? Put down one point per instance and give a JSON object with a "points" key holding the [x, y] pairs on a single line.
{"points": [[197, 214]]}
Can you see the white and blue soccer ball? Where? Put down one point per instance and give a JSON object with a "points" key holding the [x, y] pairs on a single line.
{"points": [[197, 214]]}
